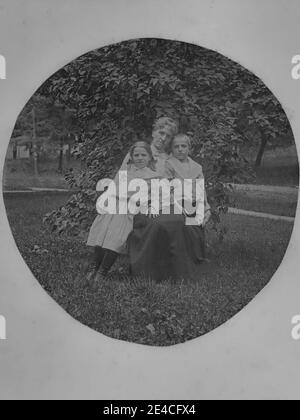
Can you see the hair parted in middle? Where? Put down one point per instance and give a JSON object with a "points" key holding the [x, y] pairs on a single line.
{"points": [[181, 136], [145, 146]]}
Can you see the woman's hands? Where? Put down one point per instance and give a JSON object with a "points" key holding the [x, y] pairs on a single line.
{"points": [[152, 213]]}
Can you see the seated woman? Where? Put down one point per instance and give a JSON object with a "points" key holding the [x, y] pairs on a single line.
{"points": [[168, 246], [163, 131]]}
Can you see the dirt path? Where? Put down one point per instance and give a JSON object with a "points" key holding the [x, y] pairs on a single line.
{"points": [[265, 188], [242, 212]]}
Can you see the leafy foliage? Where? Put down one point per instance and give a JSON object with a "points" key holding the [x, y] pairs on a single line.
{"points": [[117, 92]]}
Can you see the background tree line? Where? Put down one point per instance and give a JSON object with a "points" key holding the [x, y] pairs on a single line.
{"points": [[110, 97]]}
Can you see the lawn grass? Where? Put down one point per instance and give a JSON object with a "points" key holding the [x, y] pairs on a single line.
{"points": [[139, 310], [19, 174], [280, 166], [276, 174]]}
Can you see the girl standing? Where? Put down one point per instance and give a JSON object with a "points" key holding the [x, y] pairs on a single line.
{"points": [[109, 232]]}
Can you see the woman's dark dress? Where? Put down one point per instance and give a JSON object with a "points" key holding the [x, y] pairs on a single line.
{"points": [[164, 247]]}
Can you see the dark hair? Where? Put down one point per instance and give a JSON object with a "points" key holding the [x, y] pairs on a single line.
{"points": [[145, 146]]}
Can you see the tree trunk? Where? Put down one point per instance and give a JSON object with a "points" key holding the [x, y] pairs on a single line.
{"points": [[15, 151], [68, 155], [34, 149], [261, 151], [35, 161], [61, 156]]}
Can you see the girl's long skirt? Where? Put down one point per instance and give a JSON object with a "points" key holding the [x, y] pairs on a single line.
{"points": [[164, 247], [110, 231]]}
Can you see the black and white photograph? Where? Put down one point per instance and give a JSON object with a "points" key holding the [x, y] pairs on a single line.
{"points": [[149, 205], [190, 112]]}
